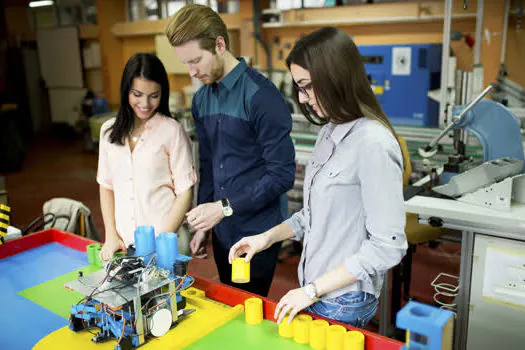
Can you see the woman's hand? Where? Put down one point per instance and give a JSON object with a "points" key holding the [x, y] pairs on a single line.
{"points": [[198, 244], [250, 246], [293, 302], [111, 245]]}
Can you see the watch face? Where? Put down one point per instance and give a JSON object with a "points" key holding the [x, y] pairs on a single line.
{"points": [[310, 292], [228, 211]]}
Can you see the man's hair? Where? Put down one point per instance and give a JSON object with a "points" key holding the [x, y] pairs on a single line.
{"points": [[196, 22]]}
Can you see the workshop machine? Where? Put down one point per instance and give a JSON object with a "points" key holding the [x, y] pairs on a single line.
{"points": [[401, 77], [131, 300], [496, 128]]}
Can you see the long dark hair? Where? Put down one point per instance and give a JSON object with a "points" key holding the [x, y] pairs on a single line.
{"points": [[147, 66], [338, 76]]}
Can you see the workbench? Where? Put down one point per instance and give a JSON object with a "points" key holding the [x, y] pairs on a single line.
{"points": [[35, 305]]}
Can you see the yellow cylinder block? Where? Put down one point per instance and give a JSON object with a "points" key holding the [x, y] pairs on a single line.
{"points": [[335, 336], [253, 308], [301, 328], [318, 334], [240, 271], [354, 340], [285, 329]]}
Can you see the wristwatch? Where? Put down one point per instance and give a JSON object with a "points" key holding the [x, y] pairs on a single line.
{"points": [[226, 208], [311, 291]]}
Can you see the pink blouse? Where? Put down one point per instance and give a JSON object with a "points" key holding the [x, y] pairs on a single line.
{"points": [[146, 182]]}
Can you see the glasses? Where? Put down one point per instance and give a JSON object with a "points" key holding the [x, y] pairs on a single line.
{"points": [[303, 89]]}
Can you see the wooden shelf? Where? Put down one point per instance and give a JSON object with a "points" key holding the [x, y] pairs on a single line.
{"points": [[88, 31], [366, 21], [367, 14], [143, 28]]}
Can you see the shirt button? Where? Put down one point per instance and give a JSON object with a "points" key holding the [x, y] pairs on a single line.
{"points": [[221, 166], [222, 188], [131, 198]]}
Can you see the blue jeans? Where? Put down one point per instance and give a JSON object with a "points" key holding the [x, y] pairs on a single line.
{"points": [[353, 308]]}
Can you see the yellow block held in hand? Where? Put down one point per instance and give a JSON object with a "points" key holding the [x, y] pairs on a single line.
{"points": [[253, 307], [301, 328], [335, 336], [354, 340], [240, 271], [285, 329], [318, 334]]}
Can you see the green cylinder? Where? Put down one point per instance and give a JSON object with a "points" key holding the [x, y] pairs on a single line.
{"points": [[98, 262], [91, 253]]}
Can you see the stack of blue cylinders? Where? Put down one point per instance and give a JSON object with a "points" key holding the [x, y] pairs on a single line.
{"points": [[167, 250], [145, 242]]}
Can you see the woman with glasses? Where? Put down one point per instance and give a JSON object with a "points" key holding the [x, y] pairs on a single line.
{"points": [[353, 219]]}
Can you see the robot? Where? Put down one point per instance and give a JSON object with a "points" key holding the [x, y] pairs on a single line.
{"points": [[130, 300]]}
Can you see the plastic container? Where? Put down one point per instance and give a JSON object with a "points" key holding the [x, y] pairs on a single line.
{"points": [[253, 308], [335, 336], [145, 242], [167, 250], [98, 261], [91, 251], [318, 334], [240, 271], [301, 328], [285, 329], [354, 340]]}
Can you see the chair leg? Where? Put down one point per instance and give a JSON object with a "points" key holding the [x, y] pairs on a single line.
{"points": [[407, 272], [395, 303]]}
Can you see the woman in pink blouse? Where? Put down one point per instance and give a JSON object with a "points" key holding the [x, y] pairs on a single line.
{"points": [[145, 168]]}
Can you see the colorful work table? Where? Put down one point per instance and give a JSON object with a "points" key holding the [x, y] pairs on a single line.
{"points": [[35, 305]]}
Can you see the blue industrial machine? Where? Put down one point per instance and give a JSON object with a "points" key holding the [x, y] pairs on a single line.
{"points": [[496, 128], [135, 298], [401, 76]]}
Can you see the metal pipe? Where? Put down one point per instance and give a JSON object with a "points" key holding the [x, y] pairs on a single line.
{"points": [[504, 36], [458, 118], [444, 60], [479, 33], [258, 36]]}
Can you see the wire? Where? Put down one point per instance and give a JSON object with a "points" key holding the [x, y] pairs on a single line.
{"points": [[170, 295]]}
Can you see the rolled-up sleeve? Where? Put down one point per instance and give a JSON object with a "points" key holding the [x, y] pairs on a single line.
{"points": [[181, 161], [380, 175], [104, 170], [297, 224]]}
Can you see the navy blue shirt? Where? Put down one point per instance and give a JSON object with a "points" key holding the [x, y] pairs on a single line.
{"points": [[245, 150]]}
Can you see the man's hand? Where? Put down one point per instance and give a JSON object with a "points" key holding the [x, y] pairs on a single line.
{"points": [[198, 245], [205, 216]]}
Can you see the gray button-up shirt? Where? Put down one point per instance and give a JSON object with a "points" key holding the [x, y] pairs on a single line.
{"points": [[353, 211]]}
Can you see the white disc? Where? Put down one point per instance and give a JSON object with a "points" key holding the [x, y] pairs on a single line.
{"points": [[160, 322]]}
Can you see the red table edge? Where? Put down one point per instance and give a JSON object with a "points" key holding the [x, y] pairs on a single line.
{"points": [[223, 293]]}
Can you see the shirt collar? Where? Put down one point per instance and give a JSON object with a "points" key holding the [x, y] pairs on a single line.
{"points": [[339, 131], [231, 78], [151, 122]]}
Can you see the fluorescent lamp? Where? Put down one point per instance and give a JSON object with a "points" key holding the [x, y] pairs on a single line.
{"points": [[41, 3]]}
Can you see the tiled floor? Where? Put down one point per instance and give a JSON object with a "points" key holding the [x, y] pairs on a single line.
{"points": [[63, 169]]}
